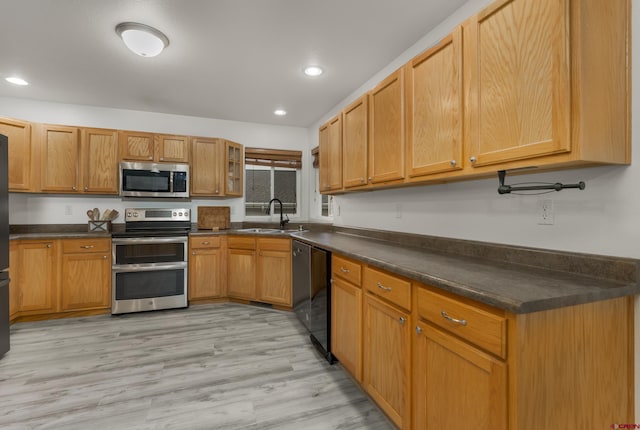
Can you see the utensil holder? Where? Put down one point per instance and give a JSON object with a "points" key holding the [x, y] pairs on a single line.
{"points": [[99, 226]]}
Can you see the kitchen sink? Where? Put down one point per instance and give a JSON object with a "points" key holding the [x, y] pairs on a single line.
{"points": [[261, 230]]}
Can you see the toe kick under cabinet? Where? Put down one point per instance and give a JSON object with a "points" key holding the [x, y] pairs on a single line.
{"points": [[434, 360], [54, 277]]}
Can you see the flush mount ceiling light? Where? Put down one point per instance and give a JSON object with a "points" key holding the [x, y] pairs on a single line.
{"points": [[143, 40], [16, 80], [280, 112], [313, 71]]}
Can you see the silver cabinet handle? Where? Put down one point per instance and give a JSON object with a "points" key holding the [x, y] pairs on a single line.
{"points": [[343, 270], [472, 159], [453, 320], [206, 242], [418, 330], [48, 245], [86, 188], [402, 320], [104, 257], [453, 162], [362, 180], [382, 287], [370, 178], [86, 246]]}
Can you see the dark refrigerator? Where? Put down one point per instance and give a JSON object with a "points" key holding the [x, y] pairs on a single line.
{"points": [[4, 246]]}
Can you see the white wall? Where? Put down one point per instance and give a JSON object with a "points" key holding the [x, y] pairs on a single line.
{"points": [[43, 209]]}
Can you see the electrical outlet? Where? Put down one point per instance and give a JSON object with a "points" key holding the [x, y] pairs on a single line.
{"points": [[546, 215]]}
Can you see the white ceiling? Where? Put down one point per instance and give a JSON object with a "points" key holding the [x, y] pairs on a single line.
{"points": [[227, 59]]}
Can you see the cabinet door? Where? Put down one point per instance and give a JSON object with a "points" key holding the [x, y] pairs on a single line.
{"points": [[274, 277], [136, 146], [19, 134], [86, 281], [171, 148], [517, 65], [14, 291], [387, 360], [36, 277], [386, 130], [206, 167], [59, 158], [100, 161], [354, 143], [434, 108], [234, 169], [241, 278], [205, 269], [456, 385], [331, 155], [346, 326]]}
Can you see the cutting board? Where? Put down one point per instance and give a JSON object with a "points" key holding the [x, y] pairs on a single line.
{"points": [[213, 217]]}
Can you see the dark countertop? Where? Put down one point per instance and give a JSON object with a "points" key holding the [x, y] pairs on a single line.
{"points": [[513, 287], [516, 279]]}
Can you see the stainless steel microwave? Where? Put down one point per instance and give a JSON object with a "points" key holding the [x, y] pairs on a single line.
{"points": [[154, 180]]}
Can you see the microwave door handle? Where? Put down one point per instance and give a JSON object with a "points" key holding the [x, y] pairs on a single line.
{"points": [[171, 175]]}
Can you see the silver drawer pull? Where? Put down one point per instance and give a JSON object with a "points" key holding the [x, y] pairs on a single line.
{"points": [[343, 270], [206, 242], [402, 320], [453, 320], [418, 330], [86, 246], [382, 287]]}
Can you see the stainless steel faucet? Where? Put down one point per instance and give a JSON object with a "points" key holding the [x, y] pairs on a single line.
{"points": [[282, 220]]}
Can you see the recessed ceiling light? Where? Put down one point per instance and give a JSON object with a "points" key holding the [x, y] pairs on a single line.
{"points": [[143, 40], [280, 112], [16, 80], [313, 71]]}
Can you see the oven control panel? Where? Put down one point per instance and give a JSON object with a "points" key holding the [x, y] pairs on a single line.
{"points": [[164, 214]]}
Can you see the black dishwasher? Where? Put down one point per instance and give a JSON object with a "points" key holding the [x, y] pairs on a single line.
{"points": [[312, 293]]}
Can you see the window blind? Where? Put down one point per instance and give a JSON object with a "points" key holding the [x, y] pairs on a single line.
{"points": [[273, 157]]}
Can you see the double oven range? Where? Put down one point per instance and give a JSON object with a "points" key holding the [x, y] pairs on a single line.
{"points": [[150, 257]]}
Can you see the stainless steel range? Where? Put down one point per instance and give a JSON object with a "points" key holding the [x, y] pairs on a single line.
{"points": [[150, 260]]}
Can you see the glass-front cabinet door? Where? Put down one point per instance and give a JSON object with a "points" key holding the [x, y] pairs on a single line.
{"points": [[234, 169]]}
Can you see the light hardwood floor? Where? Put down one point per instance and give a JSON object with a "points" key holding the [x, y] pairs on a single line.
{"points": [[221, 366]]}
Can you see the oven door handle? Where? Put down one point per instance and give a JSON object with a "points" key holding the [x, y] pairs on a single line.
{"points": [[148, 267], [144, 240]]}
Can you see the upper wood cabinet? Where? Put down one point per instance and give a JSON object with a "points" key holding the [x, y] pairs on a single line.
{"points": [[169, 148], [331, 155], [355, 143], [234, 185], [386, 130], [434, 108], [547, 80], [217, 167], [140, 146], [19, 134], [99, 149], [59, 158]]}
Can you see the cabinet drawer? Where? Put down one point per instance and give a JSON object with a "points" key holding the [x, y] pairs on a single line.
{"points": [[347, 270], [241, 242], [199, 242], [85, 245], [389, 287], [480, 327], [272, 244]]}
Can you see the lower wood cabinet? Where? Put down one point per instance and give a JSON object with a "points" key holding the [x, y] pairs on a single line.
{"points": [[274, 271], [456, 385], [259, 269], [207, 270], [35, 281], [387, 359], [85, 282], [346, 314], [55, 276]]}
